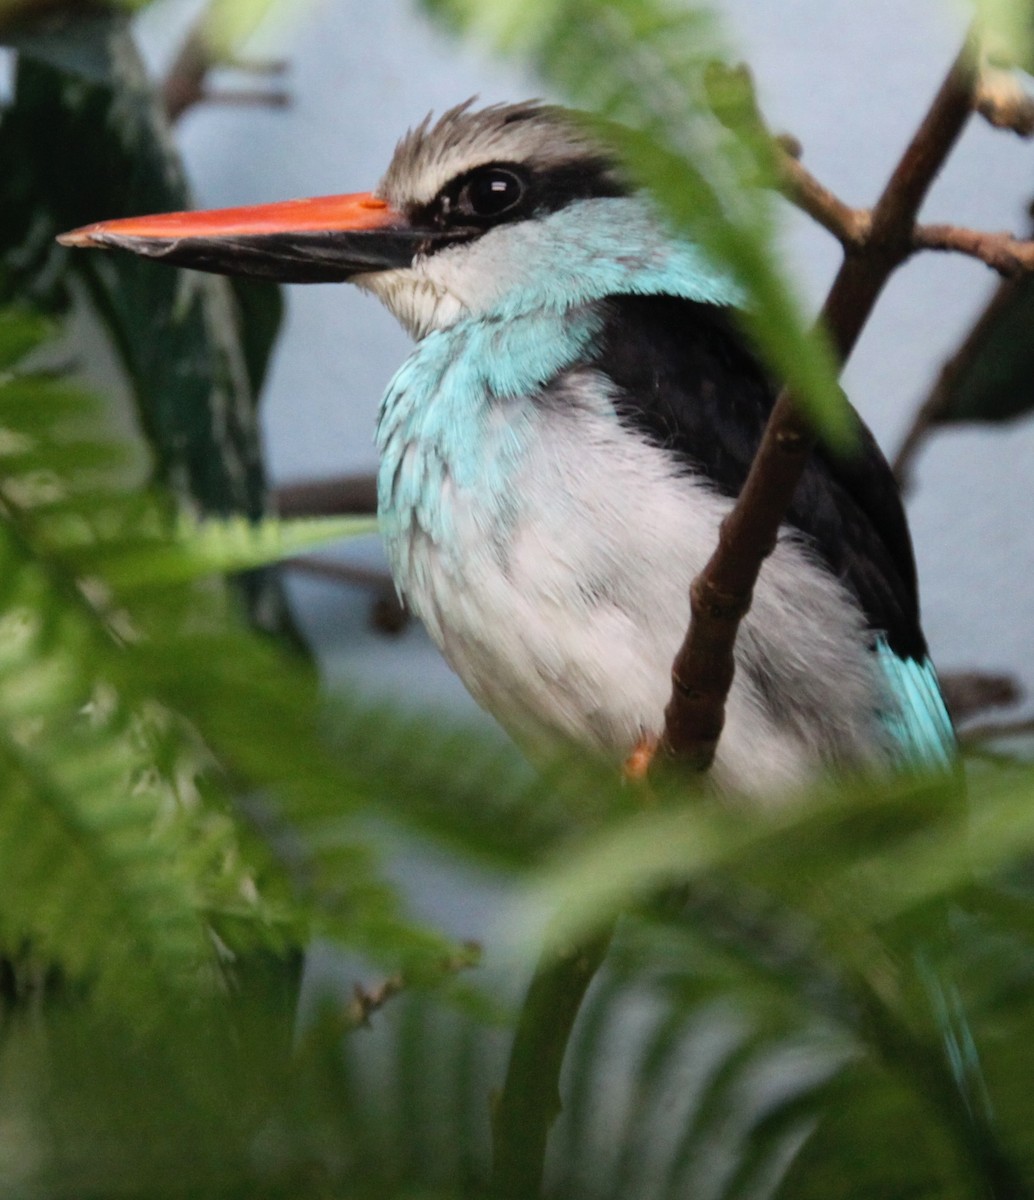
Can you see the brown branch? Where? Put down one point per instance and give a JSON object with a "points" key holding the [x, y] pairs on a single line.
{"points": [[248, 97], [1008, 255], [997, 729], [850, 226], [721, 595], [968, 693], [186, 81], [347, 494], [366, 1001], [530, 1100], [340, 496], [929, 414]]}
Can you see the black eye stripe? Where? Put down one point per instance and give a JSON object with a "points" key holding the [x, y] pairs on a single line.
{"points": [[502, 192]]}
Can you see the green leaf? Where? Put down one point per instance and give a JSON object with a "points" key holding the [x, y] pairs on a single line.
{"points": [[213, 1105], [211, 547], [20, 333], [991, 378], [89, 872], [1007, 31], [75, 44], [86, 138], [90, 142], [858, 853], [135, 714]]}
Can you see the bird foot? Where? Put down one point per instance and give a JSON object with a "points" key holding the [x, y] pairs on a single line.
{"points": [[637, 766]]}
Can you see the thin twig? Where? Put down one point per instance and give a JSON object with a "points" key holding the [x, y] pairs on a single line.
{"points": [[185, 80], [247, 97], [993, 730], [969, 693], [347, 494], [367, 1001], [1008, 255], [530, 1100], [850, 226], [186, 83], [721, 595], [256, 66]]}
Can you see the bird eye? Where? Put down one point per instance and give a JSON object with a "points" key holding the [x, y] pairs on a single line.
{"points": [[491, 192]]}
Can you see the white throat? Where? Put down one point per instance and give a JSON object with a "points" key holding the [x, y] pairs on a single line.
{"points": [[419, 301], [581, 253]]}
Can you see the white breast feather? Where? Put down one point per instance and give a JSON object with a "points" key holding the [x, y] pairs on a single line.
{"points": [[565, 626]]}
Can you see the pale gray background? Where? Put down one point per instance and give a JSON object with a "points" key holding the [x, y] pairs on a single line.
{"points": [[849, 79]]}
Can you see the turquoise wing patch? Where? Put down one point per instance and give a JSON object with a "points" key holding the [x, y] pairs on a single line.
{"points": [[918, 723]]}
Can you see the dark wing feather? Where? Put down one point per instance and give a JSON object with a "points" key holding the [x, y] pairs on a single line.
{"points": [[686, 379]]}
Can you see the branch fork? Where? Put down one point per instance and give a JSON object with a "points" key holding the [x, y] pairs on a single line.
{"points": [[854, 230]]}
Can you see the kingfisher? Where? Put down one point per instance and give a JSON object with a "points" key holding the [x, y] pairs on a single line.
{"points": [[578, 414]]}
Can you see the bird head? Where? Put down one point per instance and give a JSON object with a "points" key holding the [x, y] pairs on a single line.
{"points": [[480, 212]]}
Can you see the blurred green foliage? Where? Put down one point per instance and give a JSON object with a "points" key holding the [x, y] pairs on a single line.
{"points": [[991, 378], [84, 137], [1007, 28], [831, 998]]}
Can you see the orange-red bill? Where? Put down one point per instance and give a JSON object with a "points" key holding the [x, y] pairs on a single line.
{"points": [[328, 239], [358, 212]]}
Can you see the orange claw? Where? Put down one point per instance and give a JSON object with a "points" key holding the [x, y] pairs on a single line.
{"points": [[637, 766]]}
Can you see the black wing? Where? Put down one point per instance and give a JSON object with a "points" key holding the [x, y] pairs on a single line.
{"points": [[687, 380]]}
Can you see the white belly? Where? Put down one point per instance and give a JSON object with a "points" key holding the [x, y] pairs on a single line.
{"points": [[562, 611]]}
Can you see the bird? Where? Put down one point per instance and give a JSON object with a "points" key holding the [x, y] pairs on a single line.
{"points": [[577, 415]]}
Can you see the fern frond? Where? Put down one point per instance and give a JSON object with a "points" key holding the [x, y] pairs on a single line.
{"points": [[90, 873], [138, 716]]}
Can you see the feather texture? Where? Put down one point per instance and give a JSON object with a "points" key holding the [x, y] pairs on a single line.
{"points": [[918, 721], [549, 549]]}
